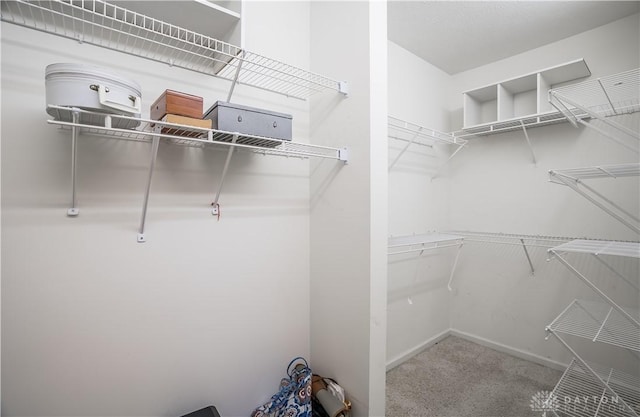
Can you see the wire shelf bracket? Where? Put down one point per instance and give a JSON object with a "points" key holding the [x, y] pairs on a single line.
{"points": [[599, 99], [91, 123], [99, 23], [575, 179], [415, 135]]}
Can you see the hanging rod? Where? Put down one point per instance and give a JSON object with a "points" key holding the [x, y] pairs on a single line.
{"points": [[106, 25]]}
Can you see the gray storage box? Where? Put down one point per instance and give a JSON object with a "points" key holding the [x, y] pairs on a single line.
{"points": [[232, 117]]}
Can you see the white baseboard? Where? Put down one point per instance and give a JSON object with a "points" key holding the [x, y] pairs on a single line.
{"points": [[518, 353], [408, 354]]}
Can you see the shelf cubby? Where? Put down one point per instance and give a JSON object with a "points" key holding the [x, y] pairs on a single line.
{"points": [[504, 105]]}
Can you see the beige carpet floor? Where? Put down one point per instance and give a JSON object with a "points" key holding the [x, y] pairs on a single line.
{"points": [[458, 378]]}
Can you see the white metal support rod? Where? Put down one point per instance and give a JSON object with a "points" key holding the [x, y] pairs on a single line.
{"points": [[413, 138], [453, 268], [612, 269], [592, 372], [73, 211], [612, 213], [526, 136], [216, 207], [604, 391], [447, 161], [596, 289], [607, 134], [235, 77], [526, 252], [154, 153], [598, 116], [617, 207], [604, 90], [572, 118]]}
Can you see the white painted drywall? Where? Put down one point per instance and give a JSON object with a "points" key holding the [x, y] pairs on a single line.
{"points": [[348, 203], [206, 311]]}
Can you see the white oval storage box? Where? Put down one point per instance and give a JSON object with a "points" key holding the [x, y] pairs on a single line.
{"points": [[92, 88]]}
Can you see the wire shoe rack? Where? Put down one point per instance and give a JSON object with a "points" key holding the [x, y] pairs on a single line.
{"points": [[602, 322], [580, 394], [99, 23]]}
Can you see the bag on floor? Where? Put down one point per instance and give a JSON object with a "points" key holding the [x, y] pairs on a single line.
{"points": [[329, 398], [294, 396]]}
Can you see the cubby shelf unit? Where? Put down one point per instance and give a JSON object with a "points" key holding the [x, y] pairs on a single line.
{"points": [[90, 123], [110, 26], [575, 178], [413, 134], [599, 99], [399, 245], [517, 103]]}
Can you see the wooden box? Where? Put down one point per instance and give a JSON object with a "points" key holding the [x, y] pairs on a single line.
{"points": [[188, 121], [175, 102]]}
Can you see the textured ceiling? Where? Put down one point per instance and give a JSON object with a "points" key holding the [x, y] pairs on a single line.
{"points": [[456, 36]]}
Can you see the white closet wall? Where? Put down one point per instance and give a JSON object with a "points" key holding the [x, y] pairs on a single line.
{"points": [[349, 203], [204, 312], [418, 298]]}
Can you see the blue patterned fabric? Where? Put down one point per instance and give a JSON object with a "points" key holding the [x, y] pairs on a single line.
{"points": [[294, 396]]}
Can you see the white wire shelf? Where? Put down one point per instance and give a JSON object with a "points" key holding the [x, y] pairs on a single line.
{"points": [[511, 238], [600, 99], [414, 134], [99, 23], [95, 123], [574, 178], [420, 242], [579, 394], [607, 96], [398, 245], [515, 124], [600, 247], [598, 322], [411, 132], [602, 171]]}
